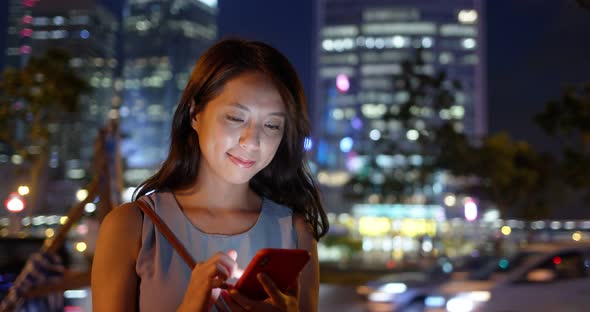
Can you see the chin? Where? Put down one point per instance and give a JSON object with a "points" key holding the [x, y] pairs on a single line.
{"points": [[239, 179]]}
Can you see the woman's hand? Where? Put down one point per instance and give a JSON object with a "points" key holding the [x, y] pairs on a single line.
{"points": [[276, 301], [207, 276]]}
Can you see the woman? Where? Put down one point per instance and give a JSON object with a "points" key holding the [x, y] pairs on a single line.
{"points": [[235, 181]]}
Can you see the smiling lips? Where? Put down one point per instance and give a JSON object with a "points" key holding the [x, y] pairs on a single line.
{"points": [[241, 162]]}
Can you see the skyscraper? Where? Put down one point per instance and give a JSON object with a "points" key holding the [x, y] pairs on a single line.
{"points": [[86, 30], [363, 45], [163, 40]]}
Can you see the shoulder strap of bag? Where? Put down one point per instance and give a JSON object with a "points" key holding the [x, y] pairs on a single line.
{"points": [[163, 228]]}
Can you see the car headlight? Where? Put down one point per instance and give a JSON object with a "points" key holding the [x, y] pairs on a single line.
{"points": [[435, 301], [465, 302], [393, 288]]}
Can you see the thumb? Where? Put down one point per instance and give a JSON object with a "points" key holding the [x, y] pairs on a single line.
{"points": [[236, 271], [232, 253]]}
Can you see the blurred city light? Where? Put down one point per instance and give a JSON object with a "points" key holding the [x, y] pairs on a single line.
{"points": [[14, 203], [467, 16], [375, 134], [506, 230], [81, 246], [577, 236], [23, 190], [356, 123], [90, 207], [16, 159], [49, 233], [412, 135], [307, 143], [450, 200], [81, 194], [346, 144], [470, 209], [342, 83]]}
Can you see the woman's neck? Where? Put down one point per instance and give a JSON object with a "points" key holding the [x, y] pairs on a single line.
{"points": [[219, 196]]}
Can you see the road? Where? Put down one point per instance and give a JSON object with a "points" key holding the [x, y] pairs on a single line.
{"points": [[343, 298]]}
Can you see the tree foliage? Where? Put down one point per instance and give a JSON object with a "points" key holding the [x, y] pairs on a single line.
{"points": [[568, 119], [510, 175], [33, 101]]}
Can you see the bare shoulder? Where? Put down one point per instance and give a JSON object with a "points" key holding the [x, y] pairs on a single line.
{"points": [[309, 278], [114, 280], [303, 229], [121, 231], [125, 220]]}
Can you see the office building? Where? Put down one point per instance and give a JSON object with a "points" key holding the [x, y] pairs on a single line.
{"points": [[162, 42]]}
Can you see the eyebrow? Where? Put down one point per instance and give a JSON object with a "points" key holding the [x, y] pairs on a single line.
{"points": [[243, 107]]}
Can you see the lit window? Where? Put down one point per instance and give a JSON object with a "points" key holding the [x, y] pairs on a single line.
{"points": [[26, 49], [58, 20], [26, 32], [399, 41], [468, 43], [467, 16], [427, 42]]}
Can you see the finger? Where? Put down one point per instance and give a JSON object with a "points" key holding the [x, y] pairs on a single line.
{"points": [[232, 253], [270, 288], [226, 261], [221, 271], [244, 302], [220, 305], [293, 290]]}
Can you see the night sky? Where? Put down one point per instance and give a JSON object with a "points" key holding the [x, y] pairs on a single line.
{"points": [[534, 48]]}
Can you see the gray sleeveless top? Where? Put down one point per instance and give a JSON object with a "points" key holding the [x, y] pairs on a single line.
{"points": [[164, 276]]}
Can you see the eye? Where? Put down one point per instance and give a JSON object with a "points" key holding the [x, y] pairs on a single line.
{"points": [[273, 127], [233, 118]]}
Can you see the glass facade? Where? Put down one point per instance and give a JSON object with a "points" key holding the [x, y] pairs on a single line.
{"points": [[163, 41], [362, 48]]}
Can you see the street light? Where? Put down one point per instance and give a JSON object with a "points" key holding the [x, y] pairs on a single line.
{"points": [[23, 190], [14, 203]]}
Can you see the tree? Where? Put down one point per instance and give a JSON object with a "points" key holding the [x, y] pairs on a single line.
{"points": [[33, 101], [513, 176], [414, 127], [495, 169], [568, 118]]}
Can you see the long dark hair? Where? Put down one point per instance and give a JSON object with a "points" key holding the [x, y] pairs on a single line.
{"points": [[287, 179]]}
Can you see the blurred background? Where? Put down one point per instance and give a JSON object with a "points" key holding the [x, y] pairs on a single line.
{"points": [[450, 139]]}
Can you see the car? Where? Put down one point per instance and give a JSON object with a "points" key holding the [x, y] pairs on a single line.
{"points": [[560, 281], [403, 291], [475, 293]]}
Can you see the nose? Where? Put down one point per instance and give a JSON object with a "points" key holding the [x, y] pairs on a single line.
{"points": [[250, 137]]}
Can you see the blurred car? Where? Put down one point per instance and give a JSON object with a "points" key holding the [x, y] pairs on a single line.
{"points": [[406, 290], [475, 293], [560, 281]]}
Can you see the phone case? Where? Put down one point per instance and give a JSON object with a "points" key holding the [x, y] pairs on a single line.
{"points": [[281, 265]]}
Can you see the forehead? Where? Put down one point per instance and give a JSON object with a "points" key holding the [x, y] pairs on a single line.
{"points": [[252, 91]]}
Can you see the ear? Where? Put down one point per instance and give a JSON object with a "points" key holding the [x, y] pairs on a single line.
{"points": [[194, 116]]}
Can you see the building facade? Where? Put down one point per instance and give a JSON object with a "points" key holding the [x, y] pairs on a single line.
{"points": [[162, 42], [362, 47]]}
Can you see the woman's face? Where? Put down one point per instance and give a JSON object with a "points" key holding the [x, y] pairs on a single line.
{"points": [[240, 130]]}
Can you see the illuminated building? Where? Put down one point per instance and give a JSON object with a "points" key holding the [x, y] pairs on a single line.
{"points": [[162, 42], [362, 46], [86, 30]]}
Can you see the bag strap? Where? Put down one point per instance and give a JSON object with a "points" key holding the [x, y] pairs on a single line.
{"points": [[165, 230]]}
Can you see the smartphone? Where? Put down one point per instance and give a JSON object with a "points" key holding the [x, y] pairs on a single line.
{"points": [[281, 265]]}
